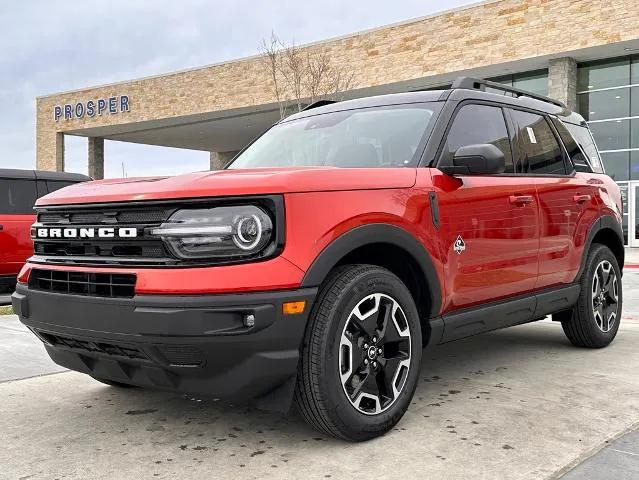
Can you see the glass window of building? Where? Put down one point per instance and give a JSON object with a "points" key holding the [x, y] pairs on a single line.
{"points": [[617, 165], [608, 98], [614, 73], [534, 82], [634, 165]]}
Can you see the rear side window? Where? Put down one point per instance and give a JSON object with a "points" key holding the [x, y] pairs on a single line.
{"points": [[539, 151], [17, 196], [576, 154], [53, 185], [584, 138], [479, 124]]}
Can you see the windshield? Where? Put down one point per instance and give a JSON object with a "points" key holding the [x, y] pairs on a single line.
{"points": [[386, 136]]}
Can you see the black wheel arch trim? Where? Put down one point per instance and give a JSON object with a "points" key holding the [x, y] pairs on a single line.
{"points": [[605, 222], [369, 235]]}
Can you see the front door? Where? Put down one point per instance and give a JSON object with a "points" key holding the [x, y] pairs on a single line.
{"points": [[489, 224]]}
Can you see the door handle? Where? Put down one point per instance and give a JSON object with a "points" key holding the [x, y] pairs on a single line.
{"points": [[582, 198], [1, 228], [521, 200]]}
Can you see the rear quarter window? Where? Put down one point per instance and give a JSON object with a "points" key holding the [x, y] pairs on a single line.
{"points": [[581, 134]]}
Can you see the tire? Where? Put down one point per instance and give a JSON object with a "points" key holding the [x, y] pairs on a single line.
{"points": [[581, 325], [113, 383], [347, 355]]}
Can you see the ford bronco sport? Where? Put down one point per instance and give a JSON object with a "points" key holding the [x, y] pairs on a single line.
{"points": [[322, 259]]}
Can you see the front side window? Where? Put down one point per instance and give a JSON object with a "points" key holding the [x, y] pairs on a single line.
{"points": [[479, 124], [387, 136], [17, 196], [539, 151]]}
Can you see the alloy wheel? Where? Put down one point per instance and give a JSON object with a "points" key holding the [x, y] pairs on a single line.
{"points": [[605, 296], [375, 353]]}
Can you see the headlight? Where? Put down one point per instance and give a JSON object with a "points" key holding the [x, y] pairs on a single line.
{"points": [[219, 232]]}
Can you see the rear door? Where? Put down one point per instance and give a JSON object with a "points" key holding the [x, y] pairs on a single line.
{"points": [[566, 200], [489, 224], [17, 197]]}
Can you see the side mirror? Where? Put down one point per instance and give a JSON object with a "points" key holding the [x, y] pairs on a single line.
{"points": [[479, 159]]}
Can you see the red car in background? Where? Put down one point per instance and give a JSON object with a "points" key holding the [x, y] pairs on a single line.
{"points": [[19, 190]]}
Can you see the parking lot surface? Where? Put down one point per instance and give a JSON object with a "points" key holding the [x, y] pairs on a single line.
{"points": [[520, 403]]}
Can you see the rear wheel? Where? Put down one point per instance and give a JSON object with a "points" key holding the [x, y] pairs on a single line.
{"points": [[361, 354], [594, 321]]}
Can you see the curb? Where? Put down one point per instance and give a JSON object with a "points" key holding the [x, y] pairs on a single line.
{"points": [[632, 265]]}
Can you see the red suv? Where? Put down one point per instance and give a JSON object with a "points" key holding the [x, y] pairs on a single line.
{"points": [[19, 190], [322, 259]]}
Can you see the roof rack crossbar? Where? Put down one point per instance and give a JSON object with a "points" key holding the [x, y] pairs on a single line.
{"points": [[470, 83]]}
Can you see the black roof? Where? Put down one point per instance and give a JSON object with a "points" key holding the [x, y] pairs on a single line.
{"points": [[464, 88], [42, 175]]}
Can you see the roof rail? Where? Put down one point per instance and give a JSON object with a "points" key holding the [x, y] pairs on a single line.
{"points": [[470, 83], [318, 103]]}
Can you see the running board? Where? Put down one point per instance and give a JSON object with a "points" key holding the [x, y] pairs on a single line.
{"points": [[506, 313]]}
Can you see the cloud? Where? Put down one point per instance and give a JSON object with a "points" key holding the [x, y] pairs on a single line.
{"points": [[55, 45]]}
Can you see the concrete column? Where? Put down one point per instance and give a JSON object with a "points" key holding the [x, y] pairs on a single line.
{"points": [[59, 152], [219, 159], [562, 81], [96, 158]]}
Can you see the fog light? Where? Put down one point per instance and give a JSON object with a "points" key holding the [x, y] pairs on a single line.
{"points": [[249, 320], [292, 308]]}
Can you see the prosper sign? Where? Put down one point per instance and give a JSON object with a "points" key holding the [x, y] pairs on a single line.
{"points": [[91, 108]]}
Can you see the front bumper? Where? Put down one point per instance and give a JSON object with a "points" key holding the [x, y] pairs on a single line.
{"points": [[194, 344]]}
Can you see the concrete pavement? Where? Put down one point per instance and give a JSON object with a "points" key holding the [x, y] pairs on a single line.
{"points": [[520, 403], [5, 300], [21, 353], [517, 404], [618, 461]]}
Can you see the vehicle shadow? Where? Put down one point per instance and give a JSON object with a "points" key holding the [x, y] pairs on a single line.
{"points": [[202, 422]]}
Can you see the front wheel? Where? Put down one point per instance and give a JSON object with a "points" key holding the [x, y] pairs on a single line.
{"points": [[594, 321], [361, 354]]}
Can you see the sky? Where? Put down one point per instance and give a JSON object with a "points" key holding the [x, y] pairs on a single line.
{"points": [[51, 46]]}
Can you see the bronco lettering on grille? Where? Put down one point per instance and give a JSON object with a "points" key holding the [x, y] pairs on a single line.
{"points": [[87, 232]]}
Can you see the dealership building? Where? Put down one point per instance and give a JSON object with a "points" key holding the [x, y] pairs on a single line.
{"points": [[583, 52]]}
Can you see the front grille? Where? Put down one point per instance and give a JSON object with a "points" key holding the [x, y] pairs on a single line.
{"points": [[103, 250], [106, 217], [141, 250], [110, 349], [109, 285]]}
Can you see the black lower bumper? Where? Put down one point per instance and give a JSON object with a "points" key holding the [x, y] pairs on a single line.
{"points": [[194, 344]]}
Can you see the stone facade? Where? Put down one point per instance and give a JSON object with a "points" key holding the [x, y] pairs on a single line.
{"points": [[562, 81], [491, 33], [96, 157]]}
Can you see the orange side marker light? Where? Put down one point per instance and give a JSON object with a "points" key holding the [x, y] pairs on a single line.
{"points": [[292, 308]]}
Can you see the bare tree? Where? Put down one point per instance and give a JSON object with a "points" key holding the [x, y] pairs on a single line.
{"points": [[272, 64], [302, 75]]}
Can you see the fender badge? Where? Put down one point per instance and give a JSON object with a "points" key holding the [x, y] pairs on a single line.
{"points": [[459, 245]]}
